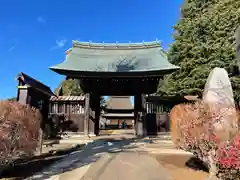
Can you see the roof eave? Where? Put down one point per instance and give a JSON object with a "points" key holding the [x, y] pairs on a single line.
{"points": [[77, 73]]}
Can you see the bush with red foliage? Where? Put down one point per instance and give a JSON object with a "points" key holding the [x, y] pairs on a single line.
{"points": [[177, 116], [228, 159], [19, 131], [204, 129]]}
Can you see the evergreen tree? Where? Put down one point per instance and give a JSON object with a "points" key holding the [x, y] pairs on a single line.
{"points": [[70, 87], [204, 39]]}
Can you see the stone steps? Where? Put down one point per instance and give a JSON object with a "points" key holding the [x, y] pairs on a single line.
{"points": [[157, 146], [163, 138], [75, 141]]}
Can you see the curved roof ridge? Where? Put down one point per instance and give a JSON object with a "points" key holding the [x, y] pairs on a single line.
{"points": [[130, 45]]}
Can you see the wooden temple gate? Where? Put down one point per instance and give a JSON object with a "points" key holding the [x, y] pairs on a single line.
{"points": [[132, 69]]}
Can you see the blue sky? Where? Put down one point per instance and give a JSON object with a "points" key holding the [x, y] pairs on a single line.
{"points": [[35, 34]]}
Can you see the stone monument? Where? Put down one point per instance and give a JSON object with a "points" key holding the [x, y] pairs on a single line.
{"points": [[218, 95], [218, 88]]}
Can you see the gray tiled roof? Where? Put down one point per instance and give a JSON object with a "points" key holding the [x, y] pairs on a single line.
{"points": [[100, 57]]}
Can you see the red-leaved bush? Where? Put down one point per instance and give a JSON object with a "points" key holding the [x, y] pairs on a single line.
{"points": [[228, 159], [19, 131], [203, 128]]}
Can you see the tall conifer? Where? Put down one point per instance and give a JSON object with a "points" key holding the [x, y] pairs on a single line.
{"points": [[204, 39]]}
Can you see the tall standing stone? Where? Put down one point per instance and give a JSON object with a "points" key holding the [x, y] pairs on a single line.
{"points": [[218, 88], [219, 95]]}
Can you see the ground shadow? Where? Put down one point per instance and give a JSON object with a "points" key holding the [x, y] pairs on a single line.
{"points": [[73, 160], [24, 168], [197, 164], [22, 171]]}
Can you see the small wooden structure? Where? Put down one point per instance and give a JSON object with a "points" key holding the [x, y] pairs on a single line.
{"points": [[34, 93], [158, 109], [119, 109], [70, 110]]}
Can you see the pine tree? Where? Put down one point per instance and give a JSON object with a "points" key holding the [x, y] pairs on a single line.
{"points": [[204, 39]]}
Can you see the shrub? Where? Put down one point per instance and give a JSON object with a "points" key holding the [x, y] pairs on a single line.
{"points": [[177, 117], [204, 128], [228, 159], [19, 131]]}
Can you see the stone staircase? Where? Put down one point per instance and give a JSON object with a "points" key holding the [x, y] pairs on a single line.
{"points": [[162, 141], [76, 139]]}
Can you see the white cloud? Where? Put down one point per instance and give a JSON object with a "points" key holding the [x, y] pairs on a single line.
{"points": [[41, 20], [59, 44]]}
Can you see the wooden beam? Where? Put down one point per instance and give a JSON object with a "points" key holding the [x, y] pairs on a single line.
{"points": [[23, 87]]}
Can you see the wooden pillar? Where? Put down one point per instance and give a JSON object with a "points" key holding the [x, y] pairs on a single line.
{"points": [[136, 104], [140, 115], [97, 115], [86, 113], [137, 110], [94, 116], [143, 114]]}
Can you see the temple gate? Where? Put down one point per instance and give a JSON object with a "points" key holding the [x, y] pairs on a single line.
{"points": [[132, 69]]}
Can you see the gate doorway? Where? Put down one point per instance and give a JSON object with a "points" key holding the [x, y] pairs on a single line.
{"points": [[119, 112]]}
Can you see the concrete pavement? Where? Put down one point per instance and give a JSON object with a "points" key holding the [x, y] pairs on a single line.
{"points": [[75, 165], [127, 165]]}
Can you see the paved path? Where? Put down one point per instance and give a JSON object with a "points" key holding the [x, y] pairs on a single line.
{"points": [[76, 164], [127, 165]]}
